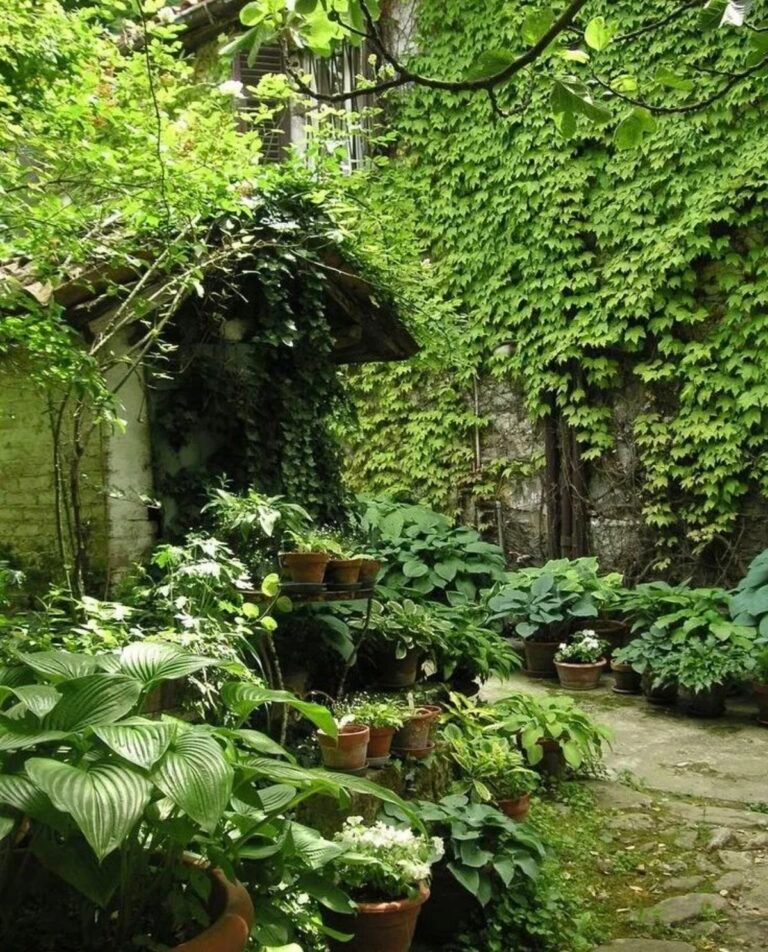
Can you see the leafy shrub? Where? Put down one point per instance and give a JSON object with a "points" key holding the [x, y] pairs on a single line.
{"points": [[374, 711], [405, 626], [425, 554], [536, 599], [749, 605], [470, 648], [485, 851], [491, 768], [650, 601]]}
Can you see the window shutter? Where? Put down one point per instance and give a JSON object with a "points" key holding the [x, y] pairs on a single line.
{"points": [[277, 132]]}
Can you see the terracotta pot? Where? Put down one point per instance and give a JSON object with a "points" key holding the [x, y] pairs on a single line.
{"points": [[710, 703], [414, 734], [380, 744], [369, 571], [342, 571], [625, 679], [232, 905], [348, 751], [761, 696], [516, 809], [305, 567], [448, 911], [580, 677], [397, 672], [540, 658], [435, 710], [378, 926], [664, 694]]}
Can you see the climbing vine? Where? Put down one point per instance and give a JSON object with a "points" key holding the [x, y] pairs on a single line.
{"points": [[586, 271]]}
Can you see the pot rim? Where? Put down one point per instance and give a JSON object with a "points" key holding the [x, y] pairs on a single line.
{"points": [[332, 560], [381, 731], [395, 905], [315, 556], [348, 730], [521, 799], [581, 665]]}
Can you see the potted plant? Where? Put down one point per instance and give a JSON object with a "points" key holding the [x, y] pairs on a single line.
{"points": [[760, 685], [647, 655], [462, 885], [413, 738], [386, 875], [402, 634], [369, 570], [112, 825], [704, 668], [492, 769], [346, 748], [545, 604], [581, 662], [382, 716], [307, 561]]}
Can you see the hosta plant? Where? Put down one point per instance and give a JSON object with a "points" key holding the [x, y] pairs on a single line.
{"points": [[106, 815], [485, 851], [749, 605], [490, 767], [405, 626]]}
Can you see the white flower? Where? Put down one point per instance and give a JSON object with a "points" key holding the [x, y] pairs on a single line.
{"points": [[165, 15], [231, 87], [563, 646]]}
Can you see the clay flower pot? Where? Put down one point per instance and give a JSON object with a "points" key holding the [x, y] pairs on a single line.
{"points": [[625, 679], [435, 710], [397, 672], [580, 677], [348, 751], [307, 568], [380, 745], [414, 734], [378, 926], [341, 572], [232, 905], [552, 763], [761, 696], [369, 572], [516, 809], [540, 658], [664, 694], [710, 703]]}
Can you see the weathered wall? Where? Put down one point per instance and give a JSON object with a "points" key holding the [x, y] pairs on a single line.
{"points": [[28, 534]]}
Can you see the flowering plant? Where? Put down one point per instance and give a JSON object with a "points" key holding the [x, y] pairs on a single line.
{"points": [[381, 862], [375, 711], [587, 648]]}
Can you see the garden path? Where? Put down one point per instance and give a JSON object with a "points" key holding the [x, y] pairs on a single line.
{"points": [[686, 838]]}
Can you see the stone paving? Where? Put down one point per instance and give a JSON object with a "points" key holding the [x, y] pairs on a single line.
{"points": [[690, 802]]}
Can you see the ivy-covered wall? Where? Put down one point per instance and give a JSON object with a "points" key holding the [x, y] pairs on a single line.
{"points": [[608, 286]]}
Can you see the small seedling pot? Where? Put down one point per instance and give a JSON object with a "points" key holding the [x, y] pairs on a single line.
{"points": [[369, 572], [380, 745], [625, 679], [340, 572], [580, 677], [347, 752], [516, 809], [305, 567]]}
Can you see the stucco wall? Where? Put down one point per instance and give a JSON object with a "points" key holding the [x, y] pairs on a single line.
{"points": [[27, 501]]}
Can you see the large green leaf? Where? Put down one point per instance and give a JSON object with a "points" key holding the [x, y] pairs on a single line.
{"points": [[312, 847], [105, 800], [93, 700], [195, 774], [633, 128], [75, 864], [149, 662], [21, 794], [141, 741], [328, 895], [245, 698], [40, 699], [60, 665], [262, 743]]}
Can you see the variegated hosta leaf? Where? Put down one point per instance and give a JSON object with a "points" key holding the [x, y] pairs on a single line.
{"points": [[137, 739], [40, 699], [21, 794], [244, 698], [262, 743], [19, 735], [277, 797], [7, 823], [13, 675], [59, 665], [313, 848], [195, 774], [149, 662], [93, 700], [105, 801]]}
